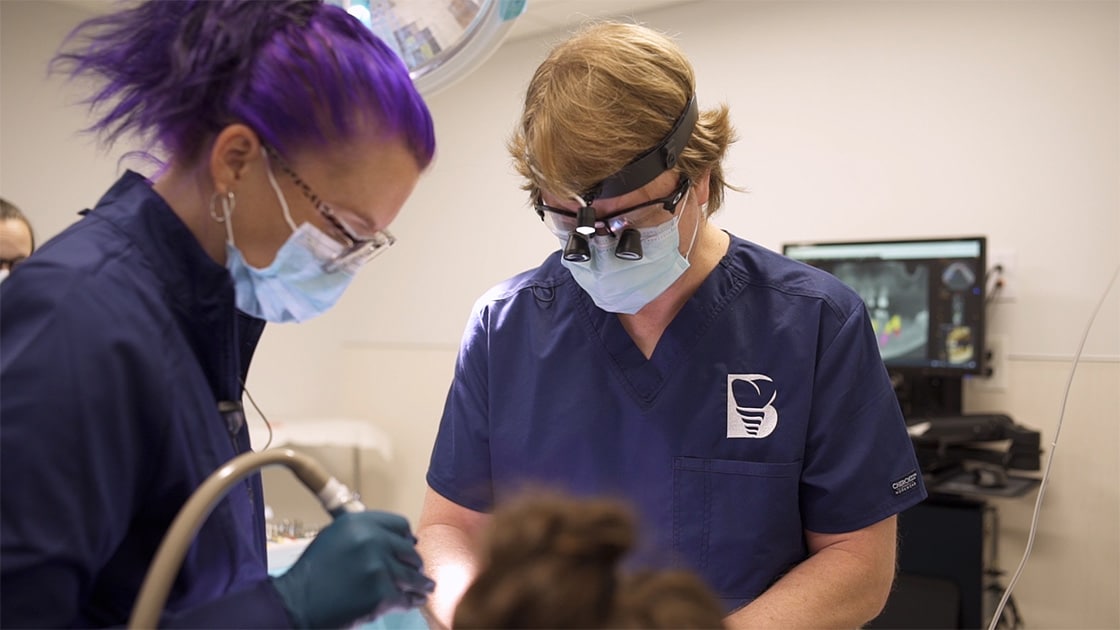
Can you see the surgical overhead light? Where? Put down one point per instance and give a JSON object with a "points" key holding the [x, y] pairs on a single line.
{"points": [[439, 42]]}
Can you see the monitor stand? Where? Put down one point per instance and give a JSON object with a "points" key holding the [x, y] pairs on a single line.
{"points": [[926, 396]]}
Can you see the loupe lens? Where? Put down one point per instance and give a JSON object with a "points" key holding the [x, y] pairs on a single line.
{"points": [[577, 249], [629, 245]]}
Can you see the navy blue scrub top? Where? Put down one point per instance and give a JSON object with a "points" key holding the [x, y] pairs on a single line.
{"points": [[119, 337], [764, 411]]}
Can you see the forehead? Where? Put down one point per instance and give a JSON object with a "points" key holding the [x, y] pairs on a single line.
{"points": [[15, 238], [661, 186], [371, 177]]}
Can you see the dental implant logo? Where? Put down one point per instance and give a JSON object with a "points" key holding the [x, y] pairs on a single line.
{"points": [[750, 406]]}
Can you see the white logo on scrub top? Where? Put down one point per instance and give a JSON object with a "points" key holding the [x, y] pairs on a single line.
{"points": [[750, 406]]}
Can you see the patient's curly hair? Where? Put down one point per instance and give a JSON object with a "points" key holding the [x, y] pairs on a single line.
{"points": [[554, 563]]}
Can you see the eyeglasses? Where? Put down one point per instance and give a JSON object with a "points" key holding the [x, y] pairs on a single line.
{"points": [[358, 250], [11, 263], [623, 224], [562, 220]]}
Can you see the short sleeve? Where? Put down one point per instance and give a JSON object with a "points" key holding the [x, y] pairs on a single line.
{"points": [[860, 466], [460, 464]]}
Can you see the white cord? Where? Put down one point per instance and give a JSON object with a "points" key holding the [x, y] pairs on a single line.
{"points": [[1050, 458]]}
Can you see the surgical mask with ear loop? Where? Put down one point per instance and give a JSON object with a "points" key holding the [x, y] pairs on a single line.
{"points": [[626, 286], [294, 288]]}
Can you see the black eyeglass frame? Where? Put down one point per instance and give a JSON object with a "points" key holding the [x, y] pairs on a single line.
{"points": [[12, 263], [359, 251], [602, 224]]}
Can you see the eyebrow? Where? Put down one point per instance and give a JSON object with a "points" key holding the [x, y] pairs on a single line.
{"points": [[677, 192], [353, 218], [599, 209]]}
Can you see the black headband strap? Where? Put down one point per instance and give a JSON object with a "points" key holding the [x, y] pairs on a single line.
{"points": [[647, 166]]}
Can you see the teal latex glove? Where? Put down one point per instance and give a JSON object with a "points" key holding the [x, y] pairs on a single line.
{"points": [[360, 566]]}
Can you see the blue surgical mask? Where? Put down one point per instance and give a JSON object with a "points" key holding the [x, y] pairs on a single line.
{"points": [[626, 286], [294, 287]]}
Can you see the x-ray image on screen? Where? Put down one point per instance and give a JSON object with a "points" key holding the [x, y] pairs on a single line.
{"points": [[897, 299], [925, 297], [957, 281]]}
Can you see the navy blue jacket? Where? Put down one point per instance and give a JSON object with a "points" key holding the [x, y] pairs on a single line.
{"points": [[117, 341]]}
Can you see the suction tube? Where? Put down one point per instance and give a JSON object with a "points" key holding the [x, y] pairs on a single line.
{"points": [[335, 497]]}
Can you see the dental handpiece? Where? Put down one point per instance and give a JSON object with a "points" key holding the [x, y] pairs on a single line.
{"points": [[336, 498]]}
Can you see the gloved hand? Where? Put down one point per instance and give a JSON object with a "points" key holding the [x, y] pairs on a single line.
{"points": [[362, 565]]}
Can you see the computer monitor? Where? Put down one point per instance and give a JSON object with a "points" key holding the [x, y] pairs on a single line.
{"points": [[926, 299]]}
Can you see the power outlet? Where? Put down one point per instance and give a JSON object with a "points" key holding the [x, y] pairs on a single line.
{"points": [[997, 366], [1002, 284]]}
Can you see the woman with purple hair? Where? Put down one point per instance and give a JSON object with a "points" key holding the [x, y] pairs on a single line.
{"points": [[289, 138]]}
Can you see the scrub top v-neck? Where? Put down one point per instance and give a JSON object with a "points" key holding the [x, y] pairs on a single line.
{"points": [[763, 411]]}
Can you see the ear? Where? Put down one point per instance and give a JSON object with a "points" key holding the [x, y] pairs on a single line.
{"points": [[700, 187], [235, 148]]}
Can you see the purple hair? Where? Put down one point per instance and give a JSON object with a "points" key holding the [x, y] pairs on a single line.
{"points": [[301, 73]]}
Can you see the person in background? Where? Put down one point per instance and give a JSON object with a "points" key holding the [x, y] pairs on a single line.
{"points": [[17, 240], [734, 396], [554, 561], [290, 137]]}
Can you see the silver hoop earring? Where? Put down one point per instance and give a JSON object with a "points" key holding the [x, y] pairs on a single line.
{"points": [[229, 202]]}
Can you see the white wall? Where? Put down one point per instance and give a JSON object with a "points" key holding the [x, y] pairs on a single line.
{"points": [[857, 120], [47, 168]]}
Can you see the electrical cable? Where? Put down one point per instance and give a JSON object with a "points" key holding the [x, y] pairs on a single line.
{"points": [[335, 497], [260, 413], [994, 590], [992, 292], [1050, 457]]}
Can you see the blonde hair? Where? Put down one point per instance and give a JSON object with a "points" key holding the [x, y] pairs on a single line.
{"points": [[602, 98]]}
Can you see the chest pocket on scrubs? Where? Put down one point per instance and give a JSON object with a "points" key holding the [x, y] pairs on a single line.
{"points": [[737, 522]]}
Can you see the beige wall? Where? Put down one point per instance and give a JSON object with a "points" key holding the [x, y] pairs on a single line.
{"points": [[858, 120]]}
